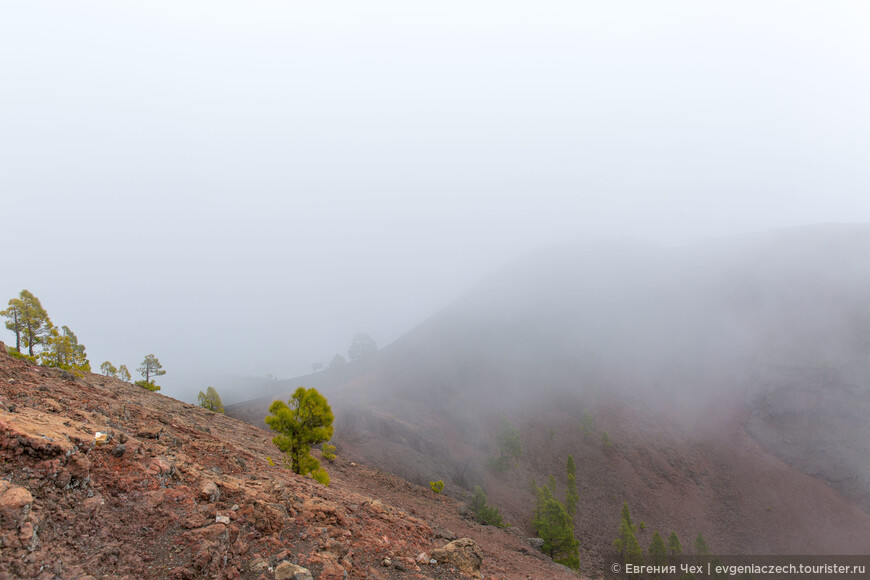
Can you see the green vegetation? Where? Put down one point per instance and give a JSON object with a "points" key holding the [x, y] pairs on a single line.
{"points": [[63, 351], [28, 320], [123, 373], [15, 354], [147, 385], [320, 476], [701, 548], [626, 543], [211, 400], [657, 551], [556, 527], [305, 420], [108, 369], [438, 487], [626, 515], [150, 366], [484, 514], [588, 424], [328, 452], [674, 544], [26, 317], [605, 441], [509, 447], [571, 495]]}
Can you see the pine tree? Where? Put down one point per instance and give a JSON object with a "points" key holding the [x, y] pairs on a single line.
{"points": [[211, 400], [657, 550], [588, 424], [64, 352], [123, 373], [626, 544], [701, 548], [674, 544], [35, 324], [484, 514], [626, 515], [14, 313], [151, 366], [605, 441], [305, 420], [108, 369], [556, 528], [571, 495]]}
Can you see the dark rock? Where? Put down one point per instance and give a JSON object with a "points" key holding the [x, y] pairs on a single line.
{"points": [[119, 450]]}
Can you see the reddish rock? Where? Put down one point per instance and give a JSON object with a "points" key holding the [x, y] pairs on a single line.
{"points": [[15, 503]]}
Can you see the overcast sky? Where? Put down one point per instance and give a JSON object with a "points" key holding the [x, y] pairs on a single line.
{"points": [[240, 187]]}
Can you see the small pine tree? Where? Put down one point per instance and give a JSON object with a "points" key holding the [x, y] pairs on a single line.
{"points": [[438, 486], [123, 373], [484, 514], [626, 544], [605, 441], [657, 551], [328, 452], [319, 475], [588, 424], [151, 366], [556, 527], [674, 545], [626, 515], [63, 351], [305, 421], [701, 548], [211, 400], [108, 369], [571, 495], [509, 447]]}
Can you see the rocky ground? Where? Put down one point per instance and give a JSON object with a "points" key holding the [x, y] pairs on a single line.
{"points": [[177, 491]]}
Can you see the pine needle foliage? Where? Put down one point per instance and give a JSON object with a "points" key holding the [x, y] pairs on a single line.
{"points": [[305, 420]]}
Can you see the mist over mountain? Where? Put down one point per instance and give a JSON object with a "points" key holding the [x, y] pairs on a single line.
{"points": [[724, 348]]}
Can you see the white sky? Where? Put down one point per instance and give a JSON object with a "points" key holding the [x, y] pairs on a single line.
{"points": [[239, 187]]}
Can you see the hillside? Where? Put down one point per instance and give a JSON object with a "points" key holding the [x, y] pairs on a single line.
{"points": [[732, 376], [181, 492]]}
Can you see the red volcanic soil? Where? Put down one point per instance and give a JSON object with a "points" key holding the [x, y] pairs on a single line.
{"points": [[690, 468], [181, 492]]}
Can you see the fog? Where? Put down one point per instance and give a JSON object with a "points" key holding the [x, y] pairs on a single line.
{"points": [[241, 188]]}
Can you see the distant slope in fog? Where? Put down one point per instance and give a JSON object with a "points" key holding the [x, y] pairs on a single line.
{"points": [[653, 340]]}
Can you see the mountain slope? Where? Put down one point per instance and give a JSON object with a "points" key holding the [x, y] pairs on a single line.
{"points": [[691, 358], [151, 502]]}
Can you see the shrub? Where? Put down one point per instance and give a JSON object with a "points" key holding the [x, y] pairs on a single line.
{"points": [[328, 452], [15, 354], [319, 475], [148, 385], [436, 486], [484, 514]]}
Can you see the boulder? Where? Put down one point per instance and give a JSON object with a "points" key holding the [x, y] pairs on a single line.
{"points": [[463, 553], [536, 543], [210, 492], [289, 571], [15, 503]]}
